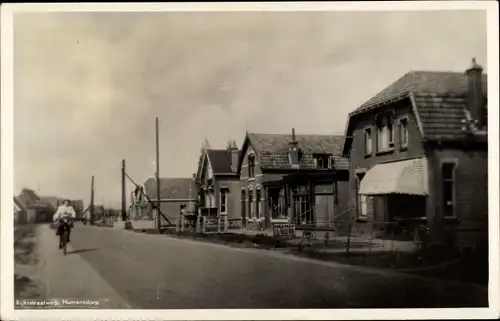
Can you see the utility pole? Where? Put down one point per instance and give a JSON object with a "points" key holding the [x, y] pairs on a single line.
{"points": [[157, 177], [124, 201], [92, 202]]}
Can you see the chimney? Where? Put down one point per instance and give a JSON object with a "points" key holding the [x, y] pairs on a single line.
{"points": [[234, 154], [294, 151], [475, 97]]}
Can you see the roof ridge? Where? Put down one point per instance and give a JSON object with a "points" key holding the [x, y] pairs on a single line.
{"points": [[327, 135], [216, 149]]}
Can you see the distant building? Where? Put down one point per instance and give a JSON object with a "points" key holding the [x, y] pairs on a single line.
{"points": [[218, 183], [173, 193]]}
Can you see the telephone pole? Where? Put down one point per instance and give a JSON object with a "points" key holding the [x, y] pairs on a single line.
{"points": [[158, 222], [124, 201], [92, 202]]}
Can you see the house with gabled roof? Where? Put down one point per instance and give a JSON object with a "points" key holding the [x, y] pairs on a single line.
{"points": [[418, 155], [174, 192], [217, 180], [299, 179], [36, 209]]}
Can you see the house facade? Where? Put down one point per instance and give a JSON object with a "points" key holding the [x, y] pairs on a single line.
{"points": [[20, 212], [173, 193], [418, 156], [218, 184], [36, 209], [299, 179]]}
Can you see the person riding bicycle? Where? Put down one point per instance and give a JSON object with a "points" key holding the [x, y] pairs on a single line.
{"points": [[64, 210]]}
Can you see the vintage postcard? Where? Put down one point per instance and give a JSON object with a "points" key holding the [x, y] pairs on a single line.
{"points": [[250, 161]]}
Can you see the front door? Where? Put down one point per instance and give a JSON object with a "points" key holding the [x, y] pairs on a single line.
{"points": [[324, 210]]}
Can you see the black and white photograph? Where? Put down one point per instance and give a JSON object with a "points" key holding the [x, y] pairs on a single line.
{"points": [[221, 161]]}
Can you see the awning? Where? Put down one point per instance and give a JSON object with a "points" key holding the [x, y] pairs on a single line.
{"points": [[402, 177]]}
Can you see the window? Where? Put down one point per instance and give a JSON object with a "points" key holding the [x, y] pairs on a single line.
{"points": [[207, 199], [223, 200], [250, 204], [321, 161], [251, 166], [368, 141], [403, 132], [362, 200], [257, 200], [385, 134], [243, 199], [448, 171]]}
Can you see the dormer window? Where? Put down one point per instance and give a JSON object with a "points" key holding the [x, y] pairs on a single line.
{"points": [[251, 166], [385, 133], [322, 161]]}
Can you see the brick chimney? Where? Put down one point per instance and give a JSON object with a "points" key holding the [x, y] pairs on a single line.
{"points": [[234, 154], [294, 151], [475, 97]]}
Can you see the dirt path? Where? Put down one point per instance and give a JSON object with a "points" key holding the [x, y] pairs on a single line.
{"points": [[27, 281]]}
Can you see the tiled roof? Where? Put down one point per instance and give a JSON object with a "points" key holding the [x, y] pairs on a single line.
{"points": [[436, 82], [27, 196], [273, 149], [441, 115], [220, 159], [440, 101], [171, 188]]}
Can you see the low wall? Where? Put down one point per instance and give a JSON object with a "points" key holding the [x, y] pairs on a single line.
{"points": [[143, 224]]}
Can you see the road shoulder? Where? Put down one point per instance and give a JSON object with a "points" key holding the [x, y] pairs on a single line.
{"points": [[70, 277]]}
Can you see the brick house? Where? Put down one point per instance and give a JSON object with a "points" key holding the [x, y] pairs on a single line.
{"points": [[218, 183], [173, 193], [418, 155], [300, 179]]}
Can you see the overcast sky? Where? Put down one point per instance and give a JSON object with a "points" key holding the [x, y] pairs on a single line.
{"points": [[88, 86]]}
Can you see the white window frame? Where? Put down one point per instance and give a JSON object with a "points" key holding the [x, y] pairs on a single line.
{"points": [[368, 140], [331, 162], [403, 132], [207, 198], [252, 174], [451, 180], [385, 133], [251, 202], [258, 200], [223, 191], [362, 200], [212, 196]]}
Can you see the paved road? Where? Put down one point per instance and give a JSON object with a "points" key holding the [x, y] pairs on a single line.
{"points": [[158, 272], [67, 277]]}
